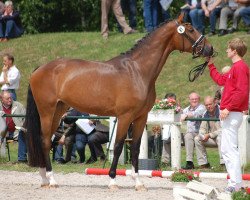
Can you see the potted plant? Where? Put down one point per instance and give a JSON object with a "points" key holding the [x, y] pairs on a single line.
{"points": [[180, 179], [243, 194], [183, 176], [165, 110]]}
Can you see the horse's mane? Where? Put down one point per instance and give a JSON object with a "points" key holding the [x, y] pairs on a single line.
{"points": [[144, 39]]}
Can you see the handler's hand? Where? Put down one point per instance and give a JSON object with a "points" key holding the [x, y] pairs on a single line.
{"points": [[2, 113], [224, 114], [206, 137]]}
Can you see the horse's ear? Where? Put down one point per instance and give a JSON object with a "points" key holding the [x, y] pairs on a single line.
{"points": [[180, 18]]}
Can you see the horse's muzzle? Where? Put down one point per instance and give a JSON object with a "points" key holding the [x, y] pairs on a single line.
{"points": [[208, 51]]}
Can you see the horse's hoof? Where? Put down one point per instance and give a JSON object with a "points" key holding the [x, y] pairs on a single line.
{"points": [[45, 185], [140, 188], [53, 186], [113, 187]]}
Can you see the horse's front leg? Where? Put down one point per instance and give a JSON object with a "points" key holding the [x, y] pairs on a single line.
{"points": [[137, 131], [121, 134]]}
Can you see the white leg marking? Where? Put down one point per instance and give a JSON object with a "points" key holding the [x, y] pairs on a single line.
{"points": [[45, 181], [52, 182]]}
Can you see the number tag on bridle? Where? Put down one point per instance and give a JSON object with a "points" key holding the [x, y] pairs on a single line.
{"points": [[181, 29]]}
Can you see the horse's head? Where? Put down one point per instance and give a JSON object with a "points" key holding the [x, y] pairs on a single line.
{"points": [[188, 39]]}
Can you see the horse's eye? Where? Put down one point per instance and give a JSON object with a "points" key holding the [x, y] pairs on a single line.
{"points": [[191, 30]]}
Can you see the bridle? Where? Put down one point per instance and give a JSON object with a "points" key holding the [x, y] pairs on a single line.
{"points": [[197, 47]]}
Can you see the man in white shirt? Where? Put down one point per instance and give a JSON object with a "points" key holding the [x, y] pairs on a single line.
{"points": [[10, 76], [194, 110]]}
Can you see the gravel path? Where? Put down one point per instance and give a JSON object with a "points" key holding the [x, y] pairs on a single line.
{"points": [[24, 185]]}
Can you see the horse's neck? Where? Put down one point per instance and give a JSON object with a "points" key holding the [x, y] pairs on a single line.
{"points": [[153, 54]]}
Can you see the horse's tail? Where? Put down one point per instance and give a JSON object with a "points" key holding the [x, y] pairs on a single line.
{"points": [[34, 139]]}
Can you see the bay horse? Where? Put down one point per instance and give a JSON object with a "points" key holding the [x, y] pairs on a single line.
{"points": [[123, 86]]}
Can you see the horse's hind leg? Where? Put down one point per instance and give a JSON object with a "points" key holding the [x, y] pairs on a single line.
{"points": [[50, 124], [138, 127], [121, 134]]}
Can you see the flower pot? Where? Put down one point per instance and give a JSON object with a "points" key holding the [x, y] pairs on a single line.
{"points": [[177, 188], [163, 116]]}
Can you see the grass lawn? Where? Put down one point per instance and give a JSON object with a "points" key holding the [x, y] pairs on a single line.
{"points": [[213, 158]]}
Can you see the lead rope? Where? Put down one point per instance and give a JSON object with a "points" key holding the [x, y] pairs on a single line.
{"points": [[198, 70]]}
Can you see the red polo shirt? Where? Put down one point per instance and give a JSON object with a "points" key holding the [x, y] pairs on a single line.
{"points": [[236, 86]]}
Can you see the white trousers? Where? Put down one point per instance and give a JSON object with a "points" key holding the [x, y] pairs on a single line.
{"points": [[229, 148]]}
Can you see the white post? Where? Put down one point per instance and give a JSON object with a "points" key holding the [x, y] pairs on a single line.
{"points": [[175, 146], [144, 145], [244, 141], [112, 140]]}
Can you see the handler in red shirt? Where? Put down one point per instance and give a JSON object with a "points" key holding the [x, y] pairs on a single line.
{"points": [[234, 101]]}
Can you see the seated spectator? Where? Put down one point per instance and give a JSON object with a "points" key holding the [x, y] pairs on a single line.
{"points": [[10, 76], [195, 110], [10, 23], [196, 15], [245, 13], [231, 9], [98, 136], [13, 107], [212, 10], [65, 135], [209, 133]]}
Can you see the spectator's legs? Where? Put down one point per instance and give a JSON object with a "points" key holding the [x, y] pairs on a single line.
{"points": [[225, 13], [154, 10], [212, 19], [116, 6], [81, 141], [166, 151], [95, 142], [229, 148], [22, 148], [69, 142], [106, 4], [148, 19], [245, 14], [12, 30], [197, 18], [193, 14], [59, 153], [1, 29], [200, 21], [236, 17], [189, 144], [132, 14], [201, 152]]}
